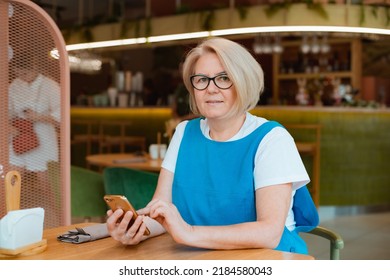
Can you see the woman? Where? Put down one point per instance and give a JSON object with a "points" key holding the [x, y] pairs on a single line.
{"points": [[36, 98], [229, 179]]}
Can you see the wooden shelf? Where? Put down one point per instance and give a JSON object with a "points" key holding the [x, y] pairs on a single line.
{"points": [[349, 50], [294, 76]]}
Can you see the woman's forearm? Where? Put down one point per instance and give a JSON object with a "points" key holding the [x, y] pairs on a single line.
{"points": [[240, 236]]}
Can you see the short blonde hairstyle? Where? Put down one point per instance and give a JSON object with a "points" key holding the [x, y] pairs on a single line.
{"points": [[241, 67]]}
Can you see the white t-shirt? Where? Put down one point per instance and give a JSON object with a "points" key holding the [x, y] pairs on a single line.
{"points": [[42, 96], [277, 158]]}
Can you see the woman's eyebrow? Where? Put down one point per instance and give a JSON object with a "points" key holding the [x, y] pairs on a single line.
{"points": [[220, 73]]}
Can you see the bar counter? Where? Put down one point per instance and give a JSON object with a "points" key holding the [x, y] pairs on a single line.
{"points": [[355, 145]]}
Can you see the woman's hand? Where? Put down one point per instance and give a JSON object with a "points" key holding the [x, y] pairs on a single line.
{"points": [[169, 217], [37, 117], [135, 234], [31, 115]]}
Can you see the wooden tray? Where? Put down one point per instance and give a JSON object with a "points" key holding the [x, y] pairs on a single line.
{"points": [[27, 250]]}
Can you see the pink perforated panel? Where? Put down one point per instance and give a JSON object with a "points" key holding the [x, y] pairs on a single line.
{"points": [[34, 100]]}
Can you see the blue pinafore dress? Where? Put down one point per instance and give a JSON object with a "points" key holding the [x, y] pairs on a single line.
{"points": [[213, 184]]}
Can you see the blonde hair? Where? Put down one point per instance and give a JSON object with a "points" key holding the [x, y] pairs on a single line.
{"points": [[241, 67]]}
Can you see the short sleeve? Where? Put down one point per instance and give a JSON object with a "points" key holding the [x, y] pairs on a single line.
{"points": [[170, 158], [278, 161]]}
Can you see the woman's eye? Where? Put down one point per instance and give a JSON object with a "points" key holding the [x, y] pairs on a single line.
{"points": [[224, 78]]}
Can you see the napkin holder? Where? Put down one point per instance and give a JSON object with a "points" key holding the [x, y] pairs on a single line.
{"points": [[21, 232]]}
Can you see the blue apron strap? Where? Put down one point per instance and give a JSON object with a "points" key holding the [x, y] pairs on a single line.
{"points": [[306, 218], [305, 211]]}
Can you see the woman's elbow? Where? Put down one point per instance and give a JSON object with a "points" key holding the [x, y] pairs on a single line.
{"points": [[271, 238], [274, 242], [276, 237]]}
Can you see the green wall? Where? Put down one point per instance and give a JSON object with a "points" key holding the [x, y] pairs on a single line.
{"points": [[355, 152], [355, 145]]}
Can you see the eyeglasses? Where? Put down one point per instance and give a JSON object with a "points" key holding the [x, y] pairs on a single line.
{"points": [[201, 82]]}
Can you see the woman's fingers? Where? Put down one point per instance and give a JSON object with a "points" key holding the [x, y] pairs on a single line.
{"points": [[119, 227], [155, 208], [118, 223], [113, 219], [143, 211]]}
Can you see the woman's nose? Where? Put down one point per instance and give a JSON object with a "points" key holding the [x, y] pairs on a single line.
{"points": [[212, 88]]}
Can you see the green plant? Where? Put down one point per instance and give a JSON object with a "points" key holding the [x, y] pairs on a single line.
{"points": [[317, 8], [207, 19], [274, 8], [362, 15], [242, 12], [124, 27], [84, 32], [387, 15], [148, 26], [374, 12], [183, 9], [135, 26]]}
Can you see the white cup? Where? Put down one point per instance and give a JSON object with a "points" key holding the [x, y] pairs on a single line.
{"points": [[154, 148], [112, 94], [123, 100]]}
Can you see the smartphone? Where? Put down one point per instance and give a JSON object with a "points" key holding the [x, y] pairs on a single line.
{"points": [[120, 202]]}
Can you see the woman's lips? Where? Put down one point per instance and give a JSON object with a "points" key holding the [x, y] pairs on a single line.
{"points": [[214, 101]]}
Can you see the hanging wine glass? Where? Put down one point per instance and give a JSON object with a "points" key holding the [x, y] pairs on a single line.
{"points": [[305, 47], [315, 46], [277, 46], [267, 46], [257, 47], [325, 47]]}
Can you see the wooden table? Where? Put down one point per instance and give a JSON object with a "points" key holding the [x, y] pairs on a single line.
{"points": [[141, 162], [158, 248]]}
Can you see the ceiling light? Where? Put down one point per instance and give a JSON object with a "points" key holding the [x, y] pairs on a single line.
{"points": [[227, 32]]}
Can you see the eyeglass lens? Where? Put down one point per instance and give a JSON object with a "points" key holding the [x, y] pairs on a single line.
{"points": [[201, 82]]}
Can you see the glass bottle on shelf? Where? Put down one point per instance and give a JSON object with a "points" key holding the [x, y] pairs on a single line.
{"points": [[315, 65], [336, 62], [346, 62]]}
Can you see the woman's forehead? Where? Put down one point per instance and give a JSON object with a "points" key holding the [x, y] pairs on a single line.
{"points": [[210, 64]]}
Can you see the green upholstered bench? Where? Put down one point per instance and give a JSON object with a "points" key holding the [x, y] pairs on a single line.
{"points": [[87, 192], [138, 186]]}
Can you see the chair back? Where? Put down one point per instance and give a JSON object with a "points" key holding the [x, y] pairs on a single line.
{"points": [[138, 186], [30, 42], [115, 134], [87, 192], [308, 140]]}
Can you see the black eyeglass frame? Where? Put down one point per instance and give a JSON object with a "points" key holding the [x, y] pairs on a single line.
{"points": [[208, 81]]}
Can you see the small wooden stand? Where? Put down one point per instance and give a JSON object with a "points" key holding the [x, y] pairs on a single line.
{"points": [[28, 250]]}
